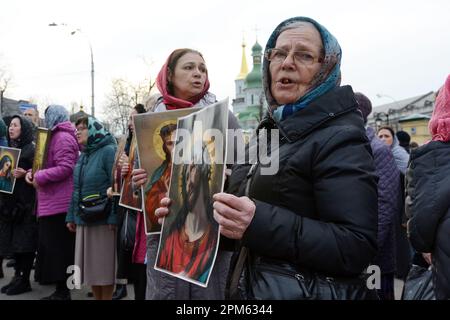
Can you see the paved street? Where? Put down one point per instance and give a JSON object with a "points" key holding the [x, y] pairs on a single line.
{"points": [[43, 291], [39, 291]]}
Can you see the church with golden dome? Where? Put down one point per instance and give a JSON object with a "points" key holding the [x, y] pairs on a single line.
{"points": [[249, 104]]}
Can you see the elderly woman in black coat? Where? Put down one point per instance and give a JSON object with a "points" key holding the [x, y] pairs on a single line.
{"points": [[315, 218], [18, 226]]}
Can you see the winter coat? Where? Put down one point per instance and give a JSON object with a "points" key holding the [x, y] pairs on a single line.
{"points": [[161, 286], [319, 210], [400, 155], [56, 180], [428, 189], [389, 202], [96, 179], [18, 226]]}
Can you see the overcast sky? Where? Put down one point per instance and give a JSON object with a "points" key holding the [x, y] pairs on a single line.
{"points": [[397, 48]]}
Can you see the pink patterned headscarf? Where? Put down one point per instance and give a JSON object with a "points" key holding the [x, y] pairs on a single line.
{"points": [[169, 100], [439, 125]]}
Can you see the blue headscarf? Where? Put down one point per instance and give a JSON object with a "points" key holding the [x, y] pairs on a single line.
{"points": [[328, 77], [55, 114], [96, 134]]}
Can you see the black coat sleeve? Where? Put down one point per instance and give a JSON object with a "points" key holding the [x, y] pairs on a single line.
{"points": [[429, 202], [343, 238]]}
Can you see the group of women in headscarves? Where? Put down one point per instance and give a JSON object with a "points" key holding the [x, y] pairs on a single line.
{"points": [[308, 231]]}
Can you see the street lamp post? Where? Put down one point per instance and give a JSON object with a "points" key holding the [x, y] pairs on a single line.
{"points": [[379, 121], [379, 95], [92, 61]]}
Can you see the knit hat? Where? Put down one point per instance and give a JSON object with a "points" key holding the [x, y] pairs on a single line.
{"points": [[439, 125], [364, 105], [403, 137]]}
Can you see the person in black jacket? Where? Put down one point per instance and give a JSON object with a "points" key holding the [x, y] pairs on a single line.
{"points": [[18, 225], [428, 196], [127, 270], [318, 212]]}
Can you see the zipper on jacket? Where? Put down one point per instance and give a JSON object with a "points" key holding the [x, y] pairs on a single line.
{"points": [[330, 281]]}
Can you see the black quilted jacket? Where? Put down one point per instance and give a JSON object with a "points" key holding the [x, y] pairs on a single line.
{"points": [[319, 211]]}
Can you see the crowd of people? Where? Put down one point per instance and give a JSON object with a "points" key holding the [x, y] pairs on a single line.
{"points": [[344, 197]]}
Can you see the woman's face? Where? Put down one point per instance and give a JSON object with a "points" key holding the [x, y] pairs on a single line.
{"points": [[15, 129], [189, 76], [82, 134], [386, 136], [6, 166], [291, 79]]}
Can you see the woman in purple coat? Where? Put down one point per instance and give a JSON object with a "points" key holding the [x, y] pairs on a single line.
{"points": [[54, 186], [389, 203]]}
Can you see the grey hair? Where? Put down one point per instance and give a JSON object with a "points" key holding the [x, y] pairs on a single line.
{"points": [[298, 24]]}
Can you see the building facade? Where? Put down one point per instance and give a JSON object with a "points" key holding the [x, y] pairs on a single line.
{"points": [[390, 114]]}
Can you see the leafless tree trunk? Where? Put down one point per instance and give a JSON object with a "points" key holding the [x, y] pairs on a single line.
{"points": [[5, 80]]}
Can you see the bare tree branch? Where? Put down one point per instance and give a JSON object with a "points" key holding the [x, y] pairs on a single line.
{"points": [[5, 79], [120, 101]]}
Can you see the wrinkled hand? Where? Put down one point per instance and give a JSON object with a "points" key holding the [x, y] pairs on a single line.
{"points": [[163, 211], [139, 177], [71, 226], [19, 173], [427, 257], [109, 192], [233, 214]]}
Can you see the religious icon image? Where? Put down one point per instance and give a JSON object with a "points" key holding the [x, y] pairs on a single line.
{"points": [[130, 197], [116, 170], [43, 136], [9, 161], [190, 235], [155, 135]]}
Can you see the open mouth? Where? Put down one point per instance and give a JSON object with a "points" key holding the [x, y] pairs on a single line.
{"points": [[286, 81]]}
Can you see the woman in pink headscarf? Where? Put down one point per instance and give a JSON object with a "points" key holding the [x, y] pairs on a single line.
{"points": [[183, 83], [428, 201]]}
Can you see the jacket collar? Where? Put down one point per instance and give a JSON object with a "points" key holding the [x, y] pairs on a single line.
{"points": [[336, 102]]}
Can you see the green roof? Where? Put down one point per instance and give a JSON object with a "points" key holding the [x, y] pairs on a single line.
{"points": [[250, 113], [414, 116], [257, 49], [254, 78]]}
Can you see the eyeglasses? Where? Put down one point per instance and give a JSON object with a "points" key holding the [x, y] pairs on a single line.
{"points": [[302, 57], [78, 130]]}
